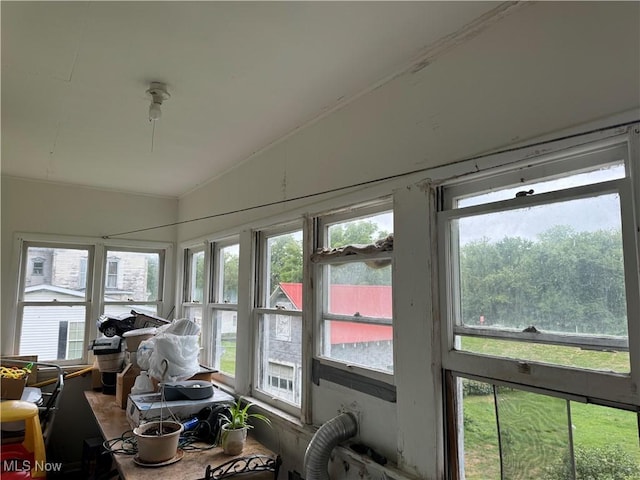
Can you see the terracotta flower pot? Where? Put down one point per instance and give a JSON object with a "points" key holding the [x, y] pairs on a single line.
{"points": [[233, 440]]}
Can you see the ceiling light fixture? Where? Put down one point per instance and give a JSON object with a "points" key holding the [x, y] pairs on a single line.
{"points": [[158, 93]]}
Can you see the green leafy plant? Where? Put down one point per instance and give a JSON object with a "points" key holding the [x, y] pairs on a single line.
{"points": [[238, 415], [603, 463]]}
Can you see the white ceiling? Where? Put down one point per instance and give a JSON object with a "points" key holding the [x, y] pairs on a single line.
{"points": [[241, 76]]}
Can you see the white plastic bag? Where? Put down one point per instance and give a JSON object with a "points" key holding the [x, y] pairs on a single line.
{"points": [[174, 357]]}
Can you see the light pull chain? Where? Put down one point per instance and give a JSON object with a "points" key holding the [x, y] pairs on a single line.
{"points": [[153, 132]]}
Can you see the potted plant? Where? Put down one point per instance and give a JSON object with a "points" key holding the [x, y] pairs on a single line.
{"points": [[234, 430]]}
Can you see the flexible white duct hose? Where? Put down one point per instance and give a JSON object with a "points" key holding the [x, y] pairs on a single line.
{"points": [[316, 457]]}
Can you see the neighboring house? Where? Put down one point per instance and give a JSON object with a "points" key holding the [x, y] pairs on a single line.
{"points": [[57, 276], [349, 341]]}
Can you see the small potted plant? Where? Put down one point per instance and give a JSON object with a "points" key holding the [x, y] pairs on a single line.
{"points": [[234, 430]]}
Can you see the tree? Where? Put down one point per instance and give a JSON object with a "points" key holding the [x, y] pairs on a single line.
{"points": [[230, 276], [286, 261], [360, 232], [565, 281]]}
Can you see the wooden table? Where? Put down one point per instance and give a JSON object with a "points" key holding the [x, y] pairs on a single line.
{"points": [[112, 421]]}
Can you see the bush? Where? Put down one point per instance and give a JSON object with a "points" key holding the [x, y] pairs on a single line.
{"points": [[471, 387], [602, 463]]}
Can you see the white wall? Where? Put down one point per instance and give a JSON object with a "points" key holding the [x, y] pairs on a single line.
{"points": [[40, 207], [546, 67]]}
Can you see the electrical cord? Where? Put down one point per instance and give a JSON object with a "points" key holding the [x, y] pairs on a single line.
{"points": [[125, 444]]}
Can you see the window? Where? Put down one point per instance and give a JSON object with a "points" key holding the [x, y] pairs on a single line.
{"points": [[194, 284], [507, 435], [49, 303], [355, 254], [38, 266], [537, 262], [281, 379], [133, 281], [279, 317], [220, 350], [112, 274], [57, 307]]}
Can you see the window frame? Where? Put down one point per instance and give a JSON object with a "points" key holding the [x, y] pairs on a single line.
{"points": [[21, 303], [214, 294], [159, 303], [95, 279], [319, 269], [578, 384], [261, 309]]}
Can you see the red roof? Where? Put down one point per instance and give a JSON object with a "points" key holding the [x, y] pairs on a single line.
{"points": [[367, 300]]}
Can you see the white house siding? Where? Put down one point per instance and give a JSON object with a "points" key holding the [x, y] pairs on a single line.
{"points": [[41, 324]]}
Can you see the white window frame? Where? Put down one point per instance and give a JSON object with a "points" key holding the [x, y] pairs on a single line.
{"points": [[319, 269], [95, 279], [600, 387], [159, 303], [262, 309], [216, 302]]}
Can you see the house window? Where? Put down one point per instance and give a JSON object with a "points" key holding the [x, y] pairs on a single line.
{"points": [[38, 267], [112, 274], [82, 273], [281, 379], [354, 269], [538, 264], [279, 315], [133, 281], [75, 340]]}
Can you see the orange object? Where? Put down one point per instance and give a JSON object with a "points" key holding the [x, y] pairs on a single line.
{"points": [[25, 460]]}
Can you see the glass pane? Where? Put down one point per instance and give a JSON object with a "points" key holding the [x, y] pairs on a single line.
{"points": [[53, 332], [606, 443], [606, 360], [284, 271], [480, 455], [362, 231], [224, 342], [598, 175], [55, 274], [359, 344], [360, 289], [533, 431], [132, 276], [281, 357], [229, 277], [558, 267], [194, 314], [196, 277]]}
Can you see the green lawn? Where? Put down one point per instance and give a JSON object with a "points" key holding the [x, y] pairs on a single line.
{"points": [[228, 360]]}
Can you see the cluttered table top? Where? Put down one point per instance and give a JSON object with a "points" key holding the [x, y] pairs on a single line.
{"points": [[113, 423]]}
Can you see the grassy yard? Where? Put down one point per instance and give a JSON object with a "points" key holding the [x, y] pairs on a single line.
{"points": [[534, 429], [569, 356], [228, 359]]}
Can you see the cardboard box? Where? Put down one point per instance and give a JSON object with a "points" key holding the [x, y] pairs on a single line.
{"points": [[12, 388], [124, 383], [149, 406], [6, 361]]}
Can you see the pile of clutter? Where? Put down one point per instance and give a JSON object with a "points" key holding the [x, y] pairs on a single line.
{"points": [[144, 350]]}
